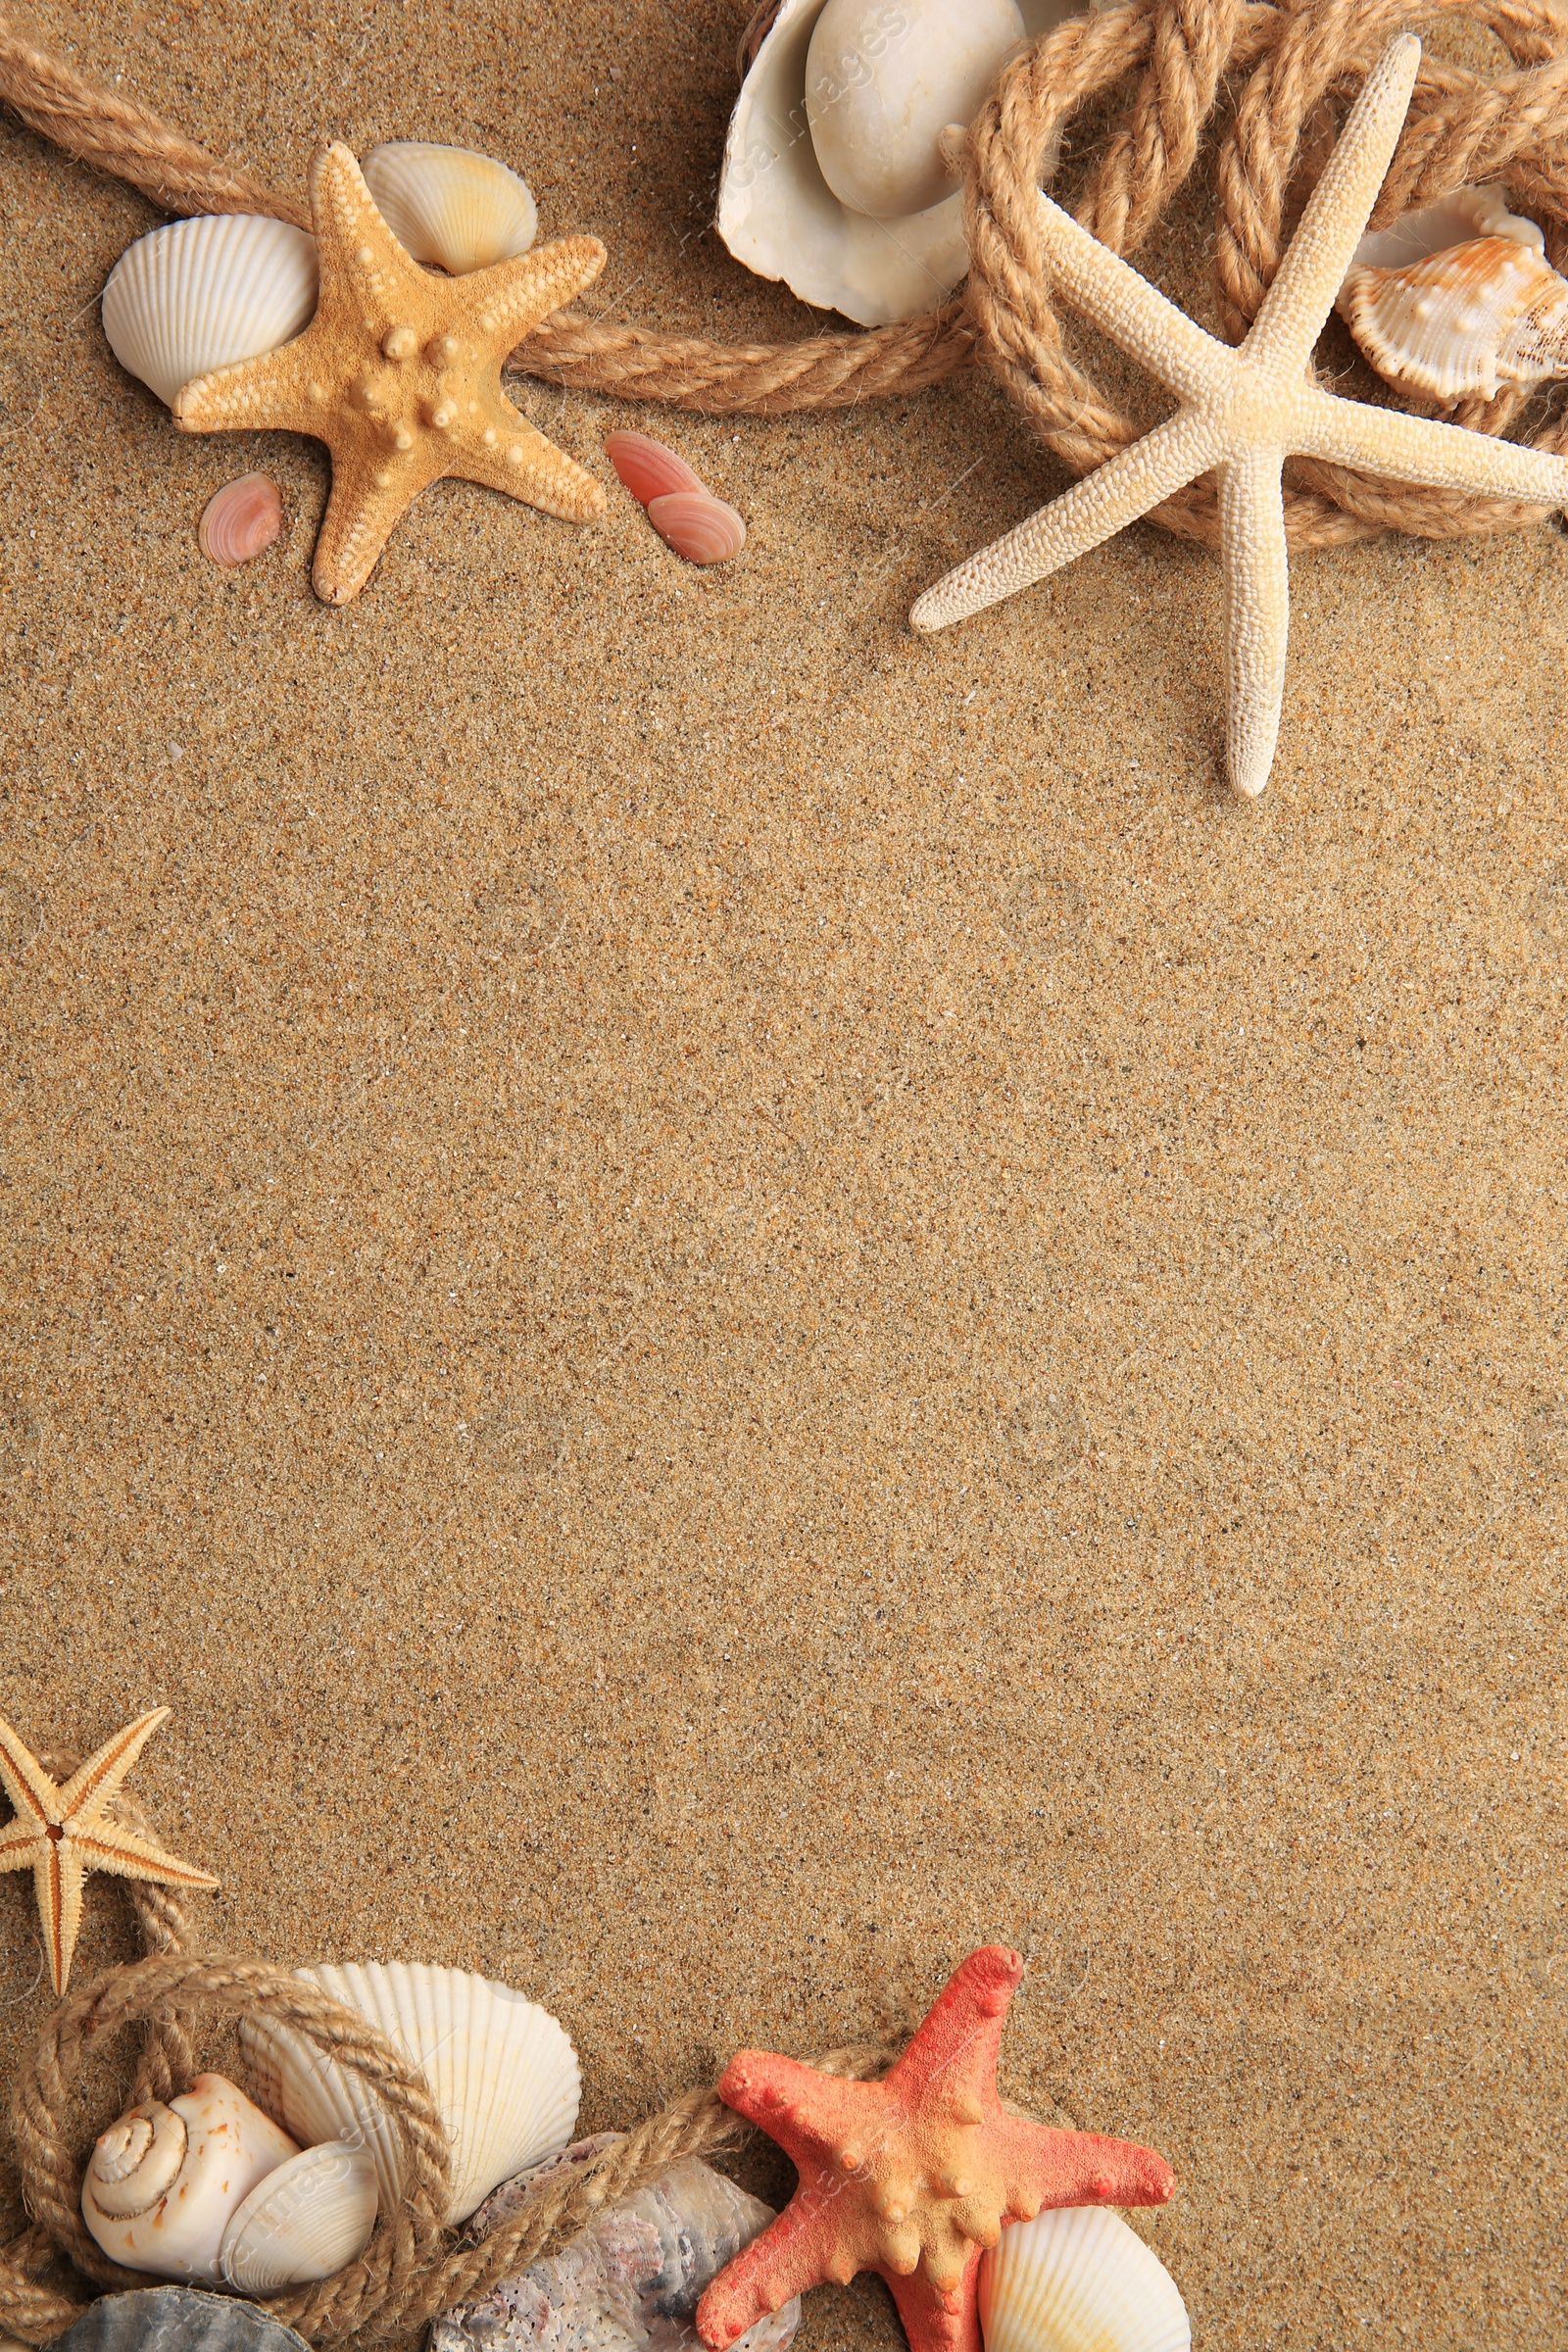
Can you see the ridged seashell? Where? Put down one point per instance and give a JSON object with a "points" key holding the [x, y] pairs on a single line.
{"points": [[241, 519], [203, 293], [1461, 322], [503, 2202], [632, 2279], [450, 206], [1452, 221], [501, 2071], [162, 2182], [303, 2221], [1078, 2279], [646, 468], [863, 107], [176, 2319], [697, 527]]}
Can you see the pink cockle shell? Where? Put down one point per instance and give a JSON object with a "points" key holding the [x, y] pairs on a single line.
{"points": [[697, 526], [646, 468], [244, 518]]}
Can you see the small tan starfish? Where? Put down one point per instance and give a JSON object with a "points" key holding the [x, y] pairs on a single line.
{"points": [[1242, 413], [399, 373], [60, 1834]]}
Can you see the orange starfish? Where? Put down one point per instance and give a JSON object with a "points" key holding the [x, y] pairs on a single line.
{"points": [[915, 2174], [60, 1834]]}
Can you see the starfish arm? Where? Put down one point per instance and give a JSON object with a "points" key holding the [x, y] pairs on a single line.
{"points": [[1421, 448], [525, 465], [1307, 279], [1257, 613], [1048, 2168], [92, 1784], [19, 1844], [1101, 504], [57, 1881], [937, 2319], [361, 514], [32, 1794], [269, 394], [813, 2117], [126, 1856], [1093, 280], [953, 2054], [783, 2262], [509, 299]]}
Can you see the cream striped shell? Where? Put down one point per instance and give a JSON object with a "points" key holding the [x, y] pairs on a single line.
{"points": [[201, 294], [501, 2070], [449, 206], [1079, 2281], [303, 2221]]}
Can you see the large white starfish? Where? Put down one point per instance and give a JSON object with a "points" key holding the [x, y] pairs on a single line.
{"points": [[1243, 412]]}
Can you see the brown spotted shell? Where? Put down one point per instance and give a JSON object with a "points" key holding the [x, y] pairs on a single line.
{"points": [[1463, 322]]}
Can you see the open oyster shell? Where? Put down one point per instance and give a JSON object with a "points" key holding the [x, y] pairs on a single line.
{"points": [[777, 214]]}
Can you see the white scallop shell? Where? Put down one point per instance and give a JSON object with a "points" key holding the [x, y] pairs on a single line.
{"points": [[303, 2221], [450, 206], [777, 214], [1079, 2281], [224, 2146], [501, 2070], [203, 293], [1461, 322]]}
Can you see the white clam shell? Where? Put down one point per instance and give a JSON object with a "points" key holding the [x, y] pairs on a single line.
{"points": [[228, 2146], [1461, 322], [303, 2221], [449, 206], [882, 82], [1079, 2281], [201, 294], [776, 211], [501, 2070]]}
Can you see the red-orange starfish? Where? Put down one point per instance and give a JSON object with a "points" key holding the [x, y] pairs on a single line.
{"points": [[915, 2174]]}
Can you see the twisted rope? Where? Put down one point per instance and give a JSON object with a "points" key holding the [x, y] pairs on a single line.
{"points": [[408, 2272], [411, 2270], [1171, 58], [1172, 62]]}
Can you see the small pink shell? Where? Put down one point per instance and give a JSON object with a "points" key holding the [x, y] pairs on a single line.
{"points": [[697, 526], [646, 468], [243, 517]]}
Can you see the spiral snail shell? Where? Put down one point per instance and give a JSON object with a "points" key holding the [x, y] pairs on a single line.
{"points": [[162, 2182], [208, 2187]]}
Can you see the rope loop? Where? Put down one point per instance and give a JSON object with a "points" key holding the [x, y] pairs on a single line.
{"points": [[411, 2270], [1255, 82], [1176, 62], [169, 1992]]}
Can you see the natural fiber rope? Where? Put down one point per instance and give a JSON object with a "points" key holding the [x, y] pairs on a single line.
{"points": [[1171, 63], [1171, 58], [409, 2271]]}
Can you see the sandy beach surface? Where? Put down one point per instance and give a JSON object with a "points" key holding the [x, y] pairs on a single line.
{"points": [[729, 1301]]}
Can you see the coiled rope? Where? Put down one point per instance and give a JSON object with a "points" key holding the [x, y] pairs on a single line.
{"points": [[1245, 74], [412, 2269]]}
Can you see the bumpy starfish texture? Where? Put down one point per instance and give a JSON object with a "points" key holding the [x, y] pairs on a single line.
{"points": [[913, 2176], [1242, 413], [60, 1834], [399, 373]]}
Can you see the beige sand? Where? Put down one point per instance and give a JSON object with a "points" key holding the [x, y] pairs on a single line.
{"points": [[730, 1302]]}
